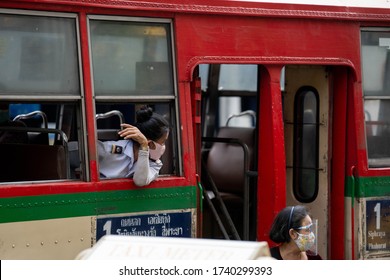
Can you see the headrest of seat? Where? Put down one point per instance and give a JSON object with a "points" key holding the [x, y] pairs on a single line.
{"points": [[225, 161], [244, 134], [108, 134]]}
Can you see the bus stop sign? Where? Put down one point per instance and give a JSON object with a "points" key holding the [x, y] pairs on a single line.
{"points": [[378, 225]]}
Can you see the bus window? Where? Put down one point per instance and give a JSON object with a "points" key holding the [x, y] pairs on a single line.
{"points": [[306, 145], [376, 89], [132, 66], [37, 52], [47, 150], [233, 78], [107, 127], [40, 53], [131, 58], [232, 88]]}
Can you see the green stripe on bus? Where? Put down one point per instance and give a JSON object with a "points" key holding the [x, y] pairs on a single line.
{"points": [[367, 187], [28, 208]]}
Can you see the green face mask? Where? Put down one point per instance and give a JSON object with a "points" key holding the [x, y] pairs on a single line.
{"points": [[4, 116]]}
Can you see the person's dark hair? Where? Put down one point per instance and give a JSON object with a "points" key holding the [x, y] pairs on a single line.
{"points": [[289, 217], [152, 125]]}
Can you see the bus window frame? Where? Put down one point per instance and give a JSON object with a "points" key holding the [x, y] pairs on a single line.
{"points": [[171, 100], [77, 100]]}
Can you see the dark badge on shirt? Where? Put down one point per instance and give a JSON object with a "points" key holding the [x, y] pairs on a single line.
{"points": [[116, 149]]}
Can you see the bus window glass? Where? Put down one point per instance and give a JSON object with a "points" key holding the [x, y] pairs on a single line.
{"points": [[375, 51], [131, 58], [232, 89], [306, 145], [377, 118], [238, 77], [203, 74], [40, 55]]}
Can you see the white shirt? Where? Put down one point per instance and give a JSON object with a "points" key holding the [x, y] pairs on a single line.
{"points": [[116, 160]]}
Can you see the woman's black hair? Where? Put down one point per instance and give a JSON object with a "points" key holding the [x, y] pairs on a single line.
{"points": [[152, 125], [289, 217]]}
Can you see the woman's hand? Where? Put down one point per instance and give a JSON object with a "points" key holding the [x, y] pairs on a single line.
{"points": [[131, 132]]}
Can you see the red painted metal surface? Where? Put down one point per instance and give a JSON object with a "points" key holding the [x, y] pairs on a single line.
{"points": [[89, 102], [338, 149], [78, 187], [267, 34], [271, 195]]}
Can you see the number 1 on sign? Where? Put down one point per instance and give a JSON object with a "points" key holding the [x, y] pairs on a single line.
{"points": [[377, 210], [107, 227]]}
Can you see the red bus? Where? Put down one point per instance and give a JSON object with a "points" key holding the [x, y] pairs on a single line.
{"points": [[270, 105]]}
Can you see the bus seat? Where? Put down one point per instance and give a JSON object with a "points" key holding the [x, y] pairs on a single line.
{"points": [[378, 146], [225, 158], [226, 173], [36, 137], [31, 162], [74, 157], [9, 135], [109, 134], [74, 160]]}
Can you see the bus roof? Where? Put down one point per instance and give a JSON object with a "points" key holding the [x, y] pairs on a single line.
{"points": [[344, 3], [203, 5]]}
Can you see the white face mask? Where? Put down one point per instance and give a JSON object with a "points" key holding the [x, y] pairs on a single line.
{"points": [[157, 152], [305, 241]]}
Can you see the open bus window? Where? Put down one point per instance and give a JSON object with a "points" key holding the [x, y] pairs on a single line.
{"points": [[132, 65], [376, 89], [37, 140], [109, 116]]}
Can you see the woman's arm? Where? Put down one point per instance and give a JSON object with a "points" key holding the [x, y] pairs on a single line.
{"points": [[146, 171], [131, 132]]}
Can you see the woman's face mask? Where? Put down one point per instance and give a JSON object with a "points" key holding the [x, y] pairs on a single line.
{"points": [[305, 241], [157, 152]]}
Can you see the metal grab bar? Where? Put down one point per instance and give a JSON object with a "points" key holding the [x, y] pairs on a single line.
{"points": [[31, 115], [244, 113], [110, 114]]}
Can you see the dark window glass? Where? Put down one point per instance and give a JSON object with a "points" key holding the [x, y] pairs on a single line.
{"points": [[375, 51], [306, 145]]}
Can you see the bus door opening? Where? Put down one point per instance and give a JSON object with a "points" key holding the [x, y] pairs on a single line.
{"points": [[228, 150]]}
